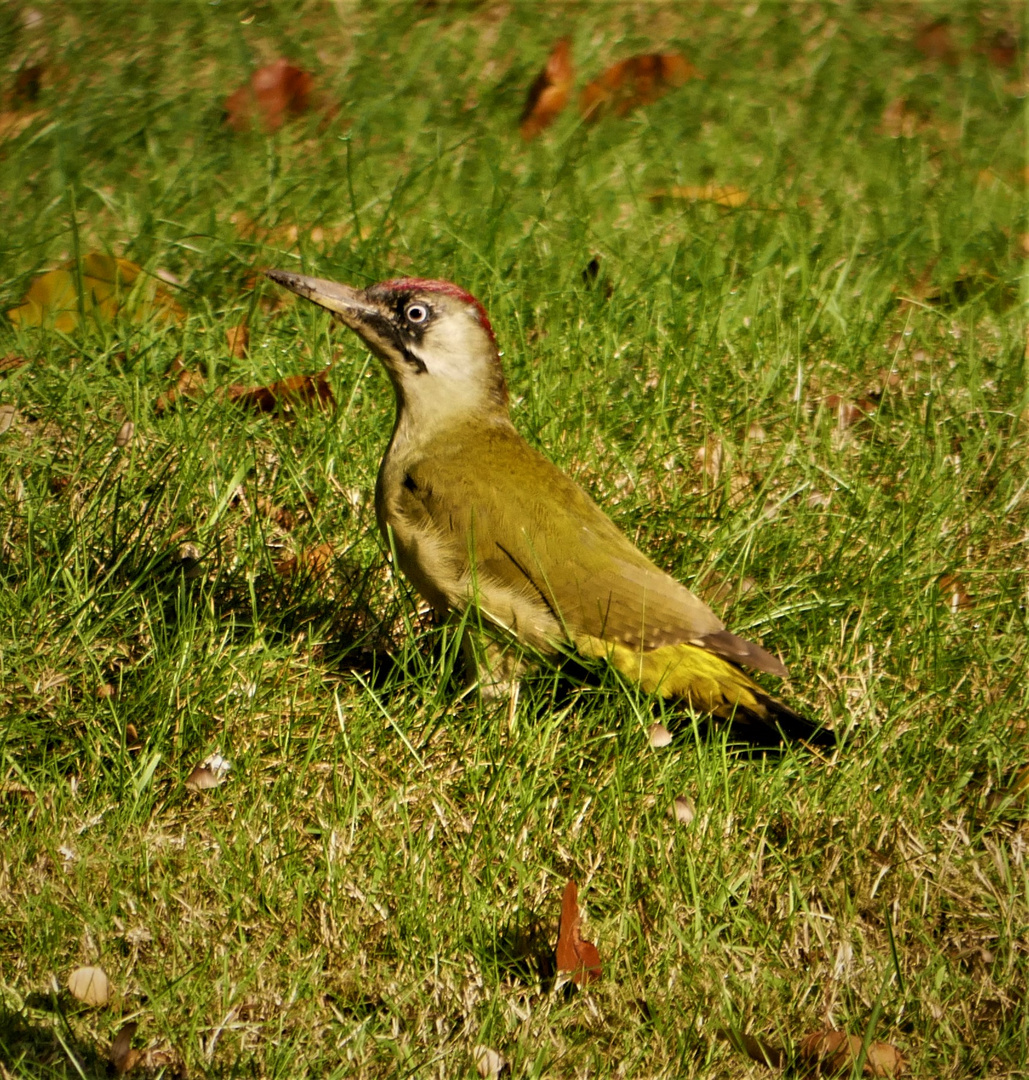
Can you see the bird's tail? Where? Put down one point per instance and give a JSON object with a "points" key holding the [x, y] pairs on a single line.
{"points": [[709, 683]]}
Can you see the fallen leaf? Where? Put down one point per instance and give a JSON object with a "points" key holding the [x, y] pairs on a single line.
{"points": [[8, 415], [954, 594], [756, 1048], [273, 92], [900, 120], [934, 42], [719, 194], [90, 985], [847, 412], [659, 735], [683, 810], [709, 458], [1002, 49], [13, 123], [315, 561], [126, 433], [281, 515], [27, 84], [292, 390], [834, 1051], [549, 93], [11, 789], [636, 81], [121, 1056], [238, 340], [11, 362], [210, 773], [488, 1062], [575, 956], [110, 286], [188, 384]]}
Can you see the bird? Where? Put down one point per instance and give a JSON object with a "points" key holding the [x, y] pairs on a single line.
{"points": [[484, 525]]}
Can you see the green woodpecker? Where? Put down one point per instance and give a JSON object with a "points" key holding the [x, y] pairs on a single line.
{"points": [[475, 516]]}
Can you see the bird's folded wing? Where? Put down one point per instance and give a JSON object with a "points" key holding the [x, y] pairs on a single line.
{"points": [[533, 529]]}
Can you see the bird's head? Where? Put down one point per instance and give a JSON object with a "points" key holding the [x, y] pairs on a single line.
{"points": [[434, 339]]}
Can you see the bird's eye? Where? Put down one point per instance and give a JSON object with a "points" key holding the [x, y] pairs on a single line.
{"points": [[416, 313]]}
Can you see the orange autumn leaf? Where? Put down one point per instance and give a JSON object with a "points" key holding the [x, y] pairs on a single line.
{"points": [[274, 92], [110, 286], [719, 194], [575, 956], [549, 93], [832, 1052], [238, 340], [289, 391], [636, 81]]}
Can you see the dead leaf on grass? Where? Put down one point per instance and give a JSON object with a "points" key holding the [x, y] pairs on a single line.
{"points": [[935, 42], [848, 412], [755, 1047], [8, 415], [296, 389], [315, 561], [238, 340], [955, 596], [210, 773], [488, 1062], [91, 986], [1002, 49], [549, 93], [576, 957], [121, 1056], [658, 735], [110, 287], [188, 384], [27, 84], [126, 433], [14, 122], [635, 81], [274, 92], [11, 362], [720, 194], [831, 1052], [682, 810], [12, 790]]}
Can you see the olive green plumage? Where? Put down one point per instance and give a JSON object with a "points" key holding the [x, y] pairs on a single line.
{"points": [[476, 516]]}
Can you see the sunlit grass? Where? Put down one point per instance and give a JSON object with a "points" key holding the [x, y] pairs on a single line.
{"points": [[811, 407]]}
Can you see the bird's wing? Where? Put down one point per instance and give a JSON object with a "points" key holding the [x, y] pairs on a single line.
{"points": [[532, 529]]}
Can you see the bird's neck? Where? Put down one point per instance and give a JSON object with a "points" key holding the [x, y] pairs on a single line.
{"points": [[425, 416]]}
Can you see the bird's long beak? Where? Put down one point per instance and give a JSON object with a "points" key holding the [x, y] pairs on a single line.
{"points": [[347, 303]]}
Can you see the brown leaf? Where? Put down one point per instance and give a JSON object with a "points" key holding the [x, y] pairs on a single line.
{"points": [[13, 123], [122, 1057], [719, 194], [189, 384], [756, 1048], [636, 81], [847, 412], [295, 389], [900, 120], [934, 42], [273, 92], [579, 958], [27, 84], [203, 779], [832, 1052], [682, 810], [126, 433], [11, 362], [1002, 49], [110, 286], [315, 560], [954, 595], [549, 93], [238, 340]]}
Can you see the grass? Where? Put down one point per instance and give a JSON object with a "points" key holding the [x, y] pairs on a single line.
{"points": [[375, 889]]}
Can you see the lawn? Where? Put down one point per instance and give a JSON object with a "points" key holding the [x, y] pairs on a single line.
{"points": [[773, 319]]}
